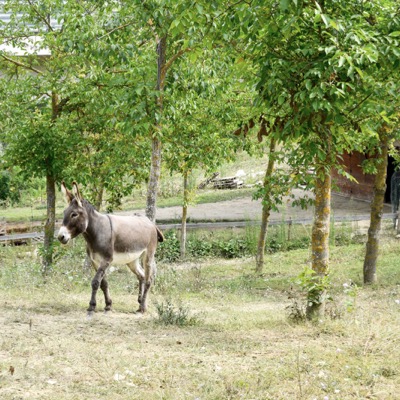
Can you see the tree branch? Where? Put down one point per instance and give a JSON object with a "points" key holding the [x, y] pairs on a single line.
{"points": [[116, 29], [360, 102], [22, 65], [43, 18], [168, 64]]}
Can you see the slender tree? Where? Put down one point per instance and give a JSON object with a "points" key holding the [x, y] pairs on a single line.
{"points": [[266, 208], [317, 64], [33, 101], [50, 86], [201, 119]]}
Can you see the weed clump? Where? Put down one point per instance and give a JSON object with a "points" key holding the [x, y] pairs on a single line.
{"points": [[180, 315]]}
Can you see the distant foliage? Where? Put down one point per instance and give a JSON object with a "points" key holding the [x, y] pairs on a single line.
{"points": [[9, 189]]}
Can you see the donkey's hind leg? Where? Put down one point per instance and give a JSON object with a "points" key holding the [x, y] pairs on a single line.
{"points": [[149, 275], [107, 298], [137, 269]]}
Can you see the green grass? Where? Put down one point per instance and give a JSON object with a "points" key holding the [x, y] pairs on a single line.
{"points": [[242, 345]]}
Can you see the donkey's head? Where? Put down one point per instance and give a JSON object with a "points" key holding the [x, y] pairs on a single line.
{"points": [[76, 218]]}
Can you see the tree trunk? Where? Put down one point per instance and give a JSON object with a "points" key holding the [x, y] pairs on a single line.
{"points": [[99, 192], [184, 214], [155, 172], [320, 243], [266, 210], [372, 248], [155, 169], [50, 224]]}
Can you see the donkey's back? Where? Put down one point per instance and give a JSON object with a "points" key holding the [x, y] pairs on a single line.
{"points": [[134, 233]]}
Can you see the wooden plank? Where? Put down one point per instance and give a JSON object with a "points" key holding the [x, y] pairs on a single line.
{"points": [[216, 225], [22, 236], [241, 224], [3, 227]]}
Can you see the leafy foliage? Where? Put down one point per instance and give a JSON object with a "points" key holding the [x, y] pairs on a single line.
{"points": [[314, 286], [10, 187], [228, 246]]}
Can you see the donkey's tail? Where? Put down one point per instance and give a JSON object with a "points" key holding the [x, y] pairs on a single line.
{"points": [[160, 235]]}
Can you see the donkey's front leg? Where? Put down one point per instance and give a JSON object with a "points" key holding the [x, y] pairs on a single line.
{"points": [[96, 282]]}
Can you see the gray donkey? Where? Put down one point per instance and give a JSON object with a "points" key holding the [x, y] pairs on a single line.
{"points": [[111, 239]]}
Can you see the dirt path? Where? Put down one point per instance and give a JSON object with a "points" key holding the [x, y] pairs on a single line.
{"points": [[248, 209]]}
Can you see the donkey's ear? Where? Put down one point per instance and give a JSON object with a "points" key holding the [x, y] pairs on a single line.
{"points": [[67, 194], [77, 194]]}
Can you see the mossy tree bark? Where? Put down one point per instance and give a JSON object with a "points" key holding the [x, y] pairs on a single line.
{"points": [[320, 242], [266, 210], [372, 247]]}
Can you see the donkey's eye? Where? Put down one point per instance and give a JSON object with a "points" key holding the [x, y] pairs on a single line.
{"points": [[74, 215]]}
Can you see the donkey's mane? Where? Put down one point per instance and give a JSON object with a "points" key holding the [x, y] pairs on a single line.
{"points": [[88, 205]]}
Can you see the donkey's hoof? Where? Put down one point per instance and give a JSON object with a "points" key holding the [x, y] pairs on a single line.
{"points": [[89, 315]]}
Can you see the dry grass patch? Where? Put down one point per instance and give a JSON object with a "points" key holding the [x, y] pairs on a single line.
{"points": [[244, 346]]}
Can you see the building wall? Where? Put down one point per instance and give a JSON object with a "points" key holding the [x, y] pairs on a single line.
{"points": [[363, 188]]}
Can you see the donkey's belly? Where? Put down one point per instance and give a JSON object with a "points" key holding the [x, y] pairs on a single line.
{"points": [[119, 258], [125, 258]]}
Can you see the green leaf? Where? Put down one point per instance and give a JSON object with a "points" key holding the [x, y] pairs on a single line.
{"points": [[325, 18], [333, 24], [200, 8], [360, 73], [284, 5]]}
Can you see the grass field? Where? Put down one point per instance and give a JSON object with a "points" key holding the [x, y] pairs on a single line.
{"points": [[235, 340]]}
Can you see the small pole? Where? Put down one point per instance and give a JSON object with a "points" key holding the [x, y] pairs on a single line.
{"points": [[290, 223], [396, 222]]}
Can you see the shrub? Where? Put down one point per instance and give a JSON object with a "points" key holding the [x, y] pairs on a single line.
{"points": [[199, 247], [233, 248], [169, 250], [228, 244], [169, 314]]}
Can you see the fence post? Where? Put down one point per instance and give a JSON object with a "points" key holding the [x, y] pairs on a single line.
{"points": [[3, 227], [290, 224], [396, 221]]}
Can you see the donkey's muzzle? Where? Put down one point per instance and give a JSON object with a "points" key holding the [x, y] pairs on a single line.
{"points": [[63, 235]]}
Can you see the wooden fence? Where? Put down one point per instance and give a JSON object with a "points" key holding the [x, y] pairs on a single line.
{"points": [[38, 236], [3, 227]]}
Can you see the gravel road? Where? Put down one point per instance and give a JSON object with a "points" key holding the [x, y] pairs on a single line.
{"points": [[248, 209]]}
